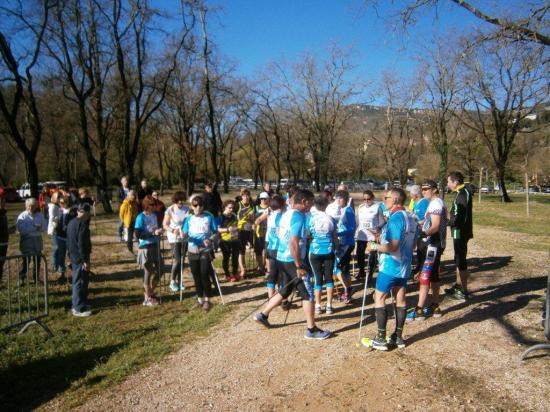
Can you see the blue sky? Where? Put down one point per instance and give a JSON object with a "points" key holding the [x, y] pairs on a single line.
{"points": [[253, 33]]}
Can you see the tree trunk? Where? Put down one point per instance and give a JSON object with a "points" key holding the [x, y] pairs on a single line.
{"points": [[504, 193]]}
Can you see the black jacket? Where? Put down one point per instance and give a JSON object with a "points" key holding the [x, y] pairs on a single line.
{"points": [[79, 243], [212, 202], [4, 230], [461, 221]]}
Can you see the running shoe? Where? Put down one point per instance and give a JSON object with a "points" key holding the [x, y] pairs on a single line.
{"points": [[458, 294], [285, 305], [396, 341], [318, 309], [415, 314], [344, 297], [261, 318], [434, 310], [82, 314], [198, 305], [150, 302], [452, 289], [206, 306], [329, 310], [174, 287], [317, 334], [379, 344]]}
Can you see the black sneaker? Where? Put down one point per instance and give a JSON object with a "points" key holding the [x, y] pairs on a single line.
{"points": [[395, 341], [261, 318], [285, 305], [459, 294], [379, 344], [451, 290]]}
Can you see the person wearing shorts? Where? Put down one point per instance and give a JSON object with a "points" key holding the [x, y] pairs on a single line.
{"points": [[245, 216], [432, 245], [290, 264], [321, 230], [397, 241], [461, 222]]}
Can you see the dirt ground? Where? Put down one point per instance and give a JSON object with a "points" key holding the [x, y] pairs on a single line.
{"points": [[466, 360]]}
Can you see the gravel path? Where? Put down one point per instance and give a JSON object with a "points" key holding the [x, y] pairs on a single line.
{"points": [[466, 360]]}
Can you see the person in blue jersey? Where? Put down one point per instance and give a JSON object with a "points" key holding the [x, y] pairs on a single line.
{"points": [[397, 241], [290, 264], [321, 230], [273, 218], [432, 244], [369, 222], [345, 231], [200, 231], [418, 206], [148, 232]]}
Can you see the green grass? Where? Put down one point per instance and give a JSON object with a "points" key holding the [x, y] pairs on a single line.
{"points": [[88, 355]]}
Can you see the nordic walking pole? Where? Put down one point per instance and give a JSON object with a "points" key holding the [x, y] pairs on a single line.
{"points": [[363, 304], [289, 306], [263, 303], [217, 282], [181, 270]]}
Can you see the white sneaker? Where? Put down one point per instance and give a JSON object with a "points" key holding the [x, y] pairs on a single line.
{"points": [[318, 309], [329, 310], [83, 314], [174, 287]]}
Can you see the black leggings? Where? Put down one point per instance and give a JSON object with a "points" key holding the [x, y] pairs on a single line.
{"points": [[287, 271], [179, 249], [201, 268], [345, 262], [373, 257], [322, 266], [273, 273], [230, 249]]}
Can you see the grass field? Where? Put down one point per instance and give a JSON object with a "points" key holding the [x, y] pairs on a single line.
{"points": [[85, 356]]}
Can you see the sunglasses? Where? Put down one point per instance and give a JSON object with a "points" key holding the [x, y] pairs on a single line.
{"points": [[387, 197], [197, 206]]}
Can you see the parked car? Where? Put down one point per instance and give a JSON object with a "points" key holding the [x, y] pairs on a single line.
{"points": [[11, 195], [487, 189]]}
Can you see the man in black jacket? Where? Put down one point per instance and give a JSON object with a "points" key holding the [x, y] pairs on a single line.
{"points": [[79, 246], [461, 223], [212, 201]]}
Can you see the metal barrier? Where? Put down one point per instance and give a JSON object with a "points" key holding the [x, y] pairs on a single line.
{"points": [[546, 325], [23, 295]]}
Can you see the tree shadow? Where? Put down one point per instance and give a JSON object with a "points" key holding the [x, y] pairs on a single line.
{"points": [[490, 303], [27, 386]]}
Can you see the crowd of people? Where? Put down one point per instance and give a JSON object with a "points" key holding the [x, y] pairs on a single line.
{"points": [[303, 244]]}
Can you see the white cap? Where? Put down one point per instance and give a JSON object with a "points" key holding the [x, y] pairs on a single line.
{"points": [[264, 195], [415, 190]]}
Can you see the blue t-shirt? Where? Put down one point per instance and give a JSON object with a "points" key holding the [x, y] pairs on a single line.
{"points": [[148, 224], [320, 228], [345, 228], [420, 208], [271, 238], [401, 226], [291, 225], [198, 228]]}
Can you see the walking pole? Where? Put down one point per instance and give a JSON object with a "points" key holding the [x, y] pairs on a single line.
{"points": [[363, 304], [289, 306], [181, 271], [217, 282]]}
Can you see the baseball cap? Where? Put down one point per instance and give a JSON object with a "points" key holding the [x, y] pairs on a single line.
{"points": [[264, 195], [429, 184], [84, 207]]}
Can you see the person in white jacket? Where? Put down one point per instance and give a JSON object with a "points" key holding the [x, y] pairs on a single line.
{"points": [[31, 224]]}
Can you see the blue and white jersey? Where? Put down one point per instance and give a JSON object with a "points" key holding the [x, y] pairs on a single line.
{"points": [[271, 239], [402, 227], [320, 228], [420, 208], [199, 228], [345, 228], [291, 224], [147, 224]]}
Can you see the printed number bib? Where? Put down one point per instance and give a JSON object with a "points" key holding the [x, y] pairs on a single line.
{"points": [[367, 225]]}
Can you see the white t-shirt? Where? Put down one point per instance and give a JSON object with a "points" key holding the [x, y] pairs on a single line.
{"points": [[436, 207], [177, 216], [368, 218]]}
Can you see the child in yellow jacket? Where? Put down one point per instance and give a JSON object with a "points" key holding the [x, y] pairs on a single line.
{"points": [[128, 213]]}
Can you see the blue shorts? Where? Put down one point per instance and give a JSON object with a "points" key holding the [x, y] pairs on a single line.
{"points": [[384, 283]]}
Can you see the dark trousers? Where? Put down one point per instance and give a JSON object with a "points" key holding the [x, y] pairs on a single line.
{"points": [[201, 268], [179, 249], [81, 278], [27, 260], [230, 250], [373, 257]]}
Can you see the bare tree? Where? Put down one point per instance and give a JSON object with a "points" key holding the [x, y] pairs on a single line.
{"points": [[504, 84], [318, 94], [527, 21], [399, 130], [18, 94]]}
